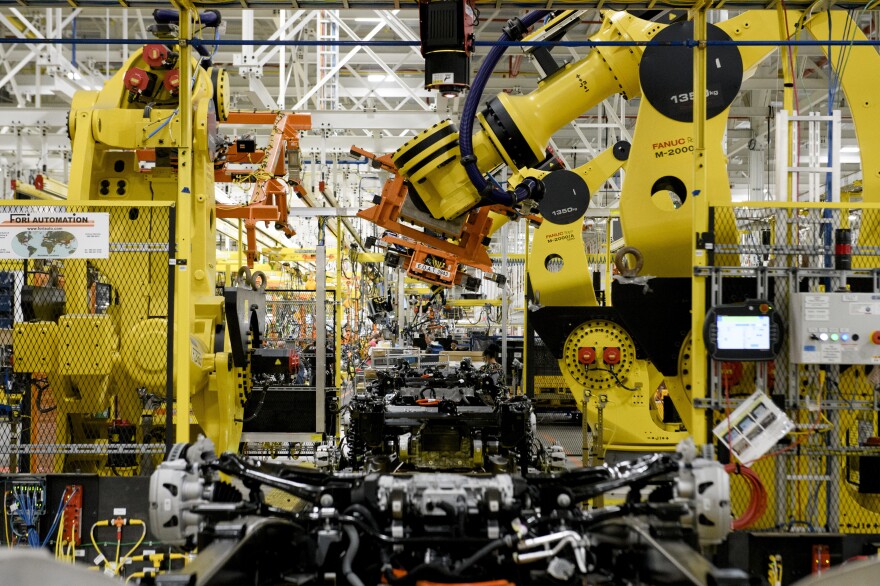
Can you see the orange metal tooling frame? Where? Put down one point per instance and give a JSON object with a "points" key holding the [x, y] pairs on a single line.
{"points": [[469, 250], [268, 201]]}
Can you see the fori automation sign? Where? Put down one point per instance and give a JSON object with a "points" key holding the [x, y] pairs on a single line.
{"points": [[50, 235]]}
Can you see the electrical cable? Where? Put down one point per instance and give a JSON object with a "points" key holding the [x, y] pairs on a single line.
{"points": [[58, 540], [163, 125], [614, 375], [775, 570], [139, 541], [27, 509], [192, 85], [118, 549], [71, 552], [757, 496], [95, 544], [33, 536], [350, 553], [216, 38], [62, 505], [259, 406], [24, 511]]}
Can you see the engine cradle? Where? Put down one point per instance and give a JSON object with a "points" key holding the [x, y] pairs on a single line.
{"points": [[462, 420]]}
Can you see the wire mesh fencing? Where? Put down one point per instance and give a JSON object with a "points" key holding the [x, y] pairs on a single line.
{"points": [[822, 477], [84, 337], [286, 409]]}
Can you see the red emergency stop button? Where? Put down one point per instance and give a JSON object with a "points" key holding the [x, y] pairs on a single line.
{"points": [[875, 337], [611, 355], [587, 355]]}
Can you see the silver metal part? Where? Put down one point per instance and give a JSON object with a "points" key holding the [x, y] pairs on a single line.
{"points": [[174, 491], [706, 486], [560, 541], [176, 487], [561, 569], [422, 492]]}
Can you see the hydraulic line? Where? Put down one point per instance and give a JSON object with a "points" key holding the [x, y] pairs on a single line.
{"points": [[516, 27]]}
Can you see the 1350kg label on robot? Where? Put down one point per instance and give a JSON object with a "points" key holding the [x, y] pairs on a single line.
{"points": [[29, 234]]}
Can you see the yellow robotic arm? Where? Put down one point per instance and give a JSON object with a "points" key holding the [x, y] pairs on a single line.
{"points": [[515, 130], [150, 134], [656, 208], [637, 347], [140, 110]]}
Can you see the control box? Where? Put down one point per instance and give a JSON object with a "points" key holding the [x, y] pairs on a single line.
{"points": [[835, 328]]}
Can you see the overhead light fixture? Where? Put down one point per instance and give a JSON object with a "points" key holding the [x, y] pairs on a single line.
{"points": [[375, 77], [368, 19], [850, 149]]}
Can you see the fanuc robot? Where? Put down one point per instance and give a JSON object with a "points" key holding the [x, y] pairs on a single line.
{"points": [[642, 343], [161, 108]]}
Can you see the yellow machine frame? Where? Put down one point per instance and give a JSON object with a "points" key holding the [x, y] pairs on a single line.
{"points": [[673, 239]]}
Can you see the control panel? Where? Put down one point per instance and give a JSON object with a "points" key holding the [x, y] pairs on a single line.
{"points": [[743, 332], [835, 328]]}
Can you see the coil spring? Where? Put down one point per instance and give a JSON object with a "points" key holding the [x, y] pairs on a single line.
{"points": [[357, 447]]}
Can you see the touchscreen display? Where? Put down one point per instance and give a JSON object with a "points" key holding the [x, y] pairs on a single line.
{"points": [[743, 332]]}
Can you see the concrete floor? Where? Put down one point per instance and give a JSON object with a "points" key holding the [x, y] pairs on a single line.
{"points": [[559, 429]]}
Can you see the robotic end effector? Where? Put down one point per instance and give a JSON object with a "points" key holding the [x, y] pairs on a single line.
{"points": [[441, 170]]}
